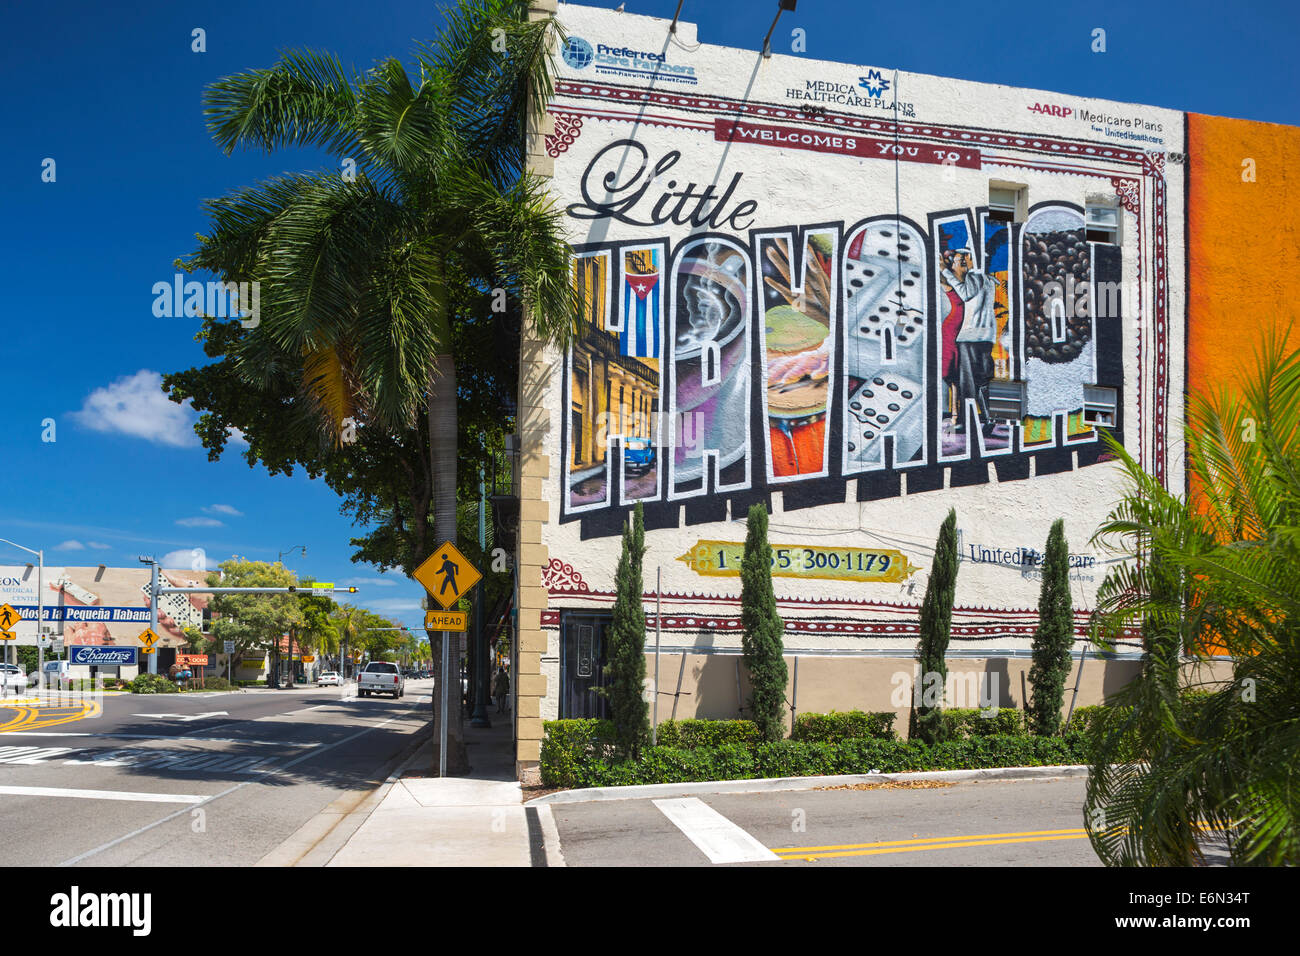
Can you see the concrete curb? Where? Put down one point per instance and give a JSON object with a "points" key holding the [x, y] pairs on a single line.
{"points": [[655, 790]]}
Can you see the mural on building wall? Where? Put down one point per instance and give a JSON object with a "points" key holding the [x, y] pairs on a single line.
{"points": [[969, 339], [799, 306]]}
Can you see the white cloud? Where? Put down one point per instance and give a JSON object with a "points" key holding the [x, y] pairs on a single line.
{"points": [[392, 606], [379, 582], [224, 510], [198, 522], [188, 558], [236, 437], [137, 406], [70, 546], [99, 545]]}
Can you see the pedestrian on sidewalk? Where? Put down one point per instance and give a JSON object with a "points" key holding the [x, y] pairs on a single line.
{"points": [[501, 691]]}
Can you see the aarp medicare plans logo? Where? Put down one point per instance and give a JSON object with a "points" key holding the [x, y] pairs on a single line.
{"points": [[578, 53]]}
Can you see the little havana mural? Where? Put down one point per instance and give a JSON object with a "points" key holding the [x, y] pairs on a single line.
{"points": [[713, 370], [723, 558]]}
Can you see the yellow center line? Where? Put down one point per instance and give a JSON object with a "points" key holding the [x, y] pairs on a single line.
{"points": [[24, 715], [927, 840], [31, 717], [806, 855]]}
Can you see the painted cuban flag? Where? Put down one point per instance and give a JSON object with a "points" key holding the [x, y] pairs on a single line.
{"points": [[642, 311]]}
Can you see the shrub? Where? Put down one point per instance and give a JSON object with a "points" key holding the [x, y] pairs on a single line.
{"points": [[625, 645], [214, 683], [841, 725], [1053, 637], [963, 723], [152, 684], [936, 623], [689, 734], [763, 627], [577, 753], [571, 745]]}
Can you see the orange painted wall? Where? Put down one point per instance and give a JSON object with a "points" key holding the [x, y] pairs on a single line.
{"points": [[1243, 242]]}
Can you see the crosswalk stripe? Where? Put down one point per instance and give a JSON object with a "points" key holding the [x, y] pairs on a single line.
{"points": [[716, 837], [133, 796]]}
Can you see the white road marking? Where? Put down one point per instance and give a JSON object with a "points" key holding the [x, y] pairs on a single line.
{"points": [[103, 794], [189, 717], [716, 837], [218, 740], [413, 708]]}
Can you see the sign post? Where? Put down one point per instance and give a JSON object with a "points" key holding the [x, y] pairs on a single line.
{"points": [[446, 569]]}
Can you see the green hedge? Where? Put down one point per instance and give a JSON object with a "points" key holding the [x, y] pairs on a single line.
{"points": [[212, 683], [840, 725], [152, 684], [793, 758], [963, 724], [689, 734], [577, 754]]}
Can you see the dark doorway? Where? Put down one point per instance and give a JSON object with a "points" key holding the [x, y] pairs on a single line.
{"points": [[582, 665]]}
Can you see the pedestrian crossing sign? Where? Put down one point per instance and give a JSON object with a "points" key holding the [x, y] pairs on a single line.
{"points": [[447, 575], [8, 618], [148, 639]]}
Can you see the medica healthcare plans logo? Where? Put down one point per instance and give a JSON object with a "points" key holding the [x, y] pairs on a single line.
{"points": [[579, 54]]}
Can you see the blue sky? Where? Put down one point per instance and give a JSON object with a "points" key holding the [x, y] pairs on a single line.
{"points": [[112, 93]]}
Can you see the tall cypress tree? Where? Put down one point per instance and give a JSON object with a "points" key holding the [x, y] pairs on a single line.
{"points": [[625, 670], [936, 624], [1053, 636], [763, 628]]}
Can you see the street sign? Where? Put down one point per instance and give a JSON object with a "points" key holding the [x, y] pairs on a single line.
{"points": [[8, 636], [148, 638], [194, 660], [8, 618], [101, 655], [446, 621], [230, 647], [447, 575], [321, 589]]}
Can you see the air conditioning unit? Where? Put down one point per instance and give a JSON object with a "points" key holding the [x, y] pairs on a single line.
{"points": [[1100, 405]]}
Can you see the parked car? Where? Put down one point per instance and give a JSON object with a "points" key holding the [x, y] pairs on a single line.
{"points": [[638, 455], [381, 677], [57, 674], [329, 679], [12, 676]]}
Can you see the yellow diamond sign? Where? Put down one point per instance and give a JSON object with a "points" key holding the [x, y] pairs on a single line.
{"points": [[447, 576], [148, 639], [8, 617]]}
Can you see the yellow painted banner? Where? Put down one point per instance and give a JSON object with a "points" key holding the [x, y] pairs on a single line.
{"points": [[722, 559]]}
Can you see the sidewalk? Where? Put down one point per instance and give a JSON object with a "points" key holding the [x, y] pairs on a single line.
{"points": [[424, 820]]}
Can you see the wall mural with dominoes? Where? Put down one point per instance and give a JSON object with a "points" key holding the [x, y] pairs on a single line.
{"points": [[725, 366]]}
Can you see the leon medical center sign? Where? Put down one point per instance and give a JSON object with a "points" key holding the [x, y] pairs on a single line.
{"points": [[860, 297]]}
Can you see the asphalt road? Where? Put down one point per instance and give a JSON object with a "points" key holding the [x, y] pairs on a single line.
{"points": [[986, 823], [193, 779]]}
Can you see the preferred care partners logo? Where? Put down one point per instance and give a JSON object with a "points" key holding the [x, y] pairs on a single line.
{"points": [[579, 54]]}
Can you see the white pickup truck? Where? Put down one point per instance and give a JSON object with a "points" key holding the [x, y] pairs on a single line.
{"points": [[381, 677]]}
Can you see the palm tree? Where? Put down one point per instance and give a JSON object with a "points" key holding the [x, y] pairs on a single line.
{"points": [[1183, 754], [347, 622], [362, 273]]}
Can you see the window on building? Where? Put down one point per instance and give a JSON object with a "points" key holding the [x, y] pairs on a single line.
{"points": [[1006, 400], [1099, 405], [1008, 202], [1101, 220]]}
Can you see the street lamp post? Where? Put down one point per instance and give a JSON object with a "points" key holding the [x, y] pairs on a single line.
{"points": [[40, 608]]}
